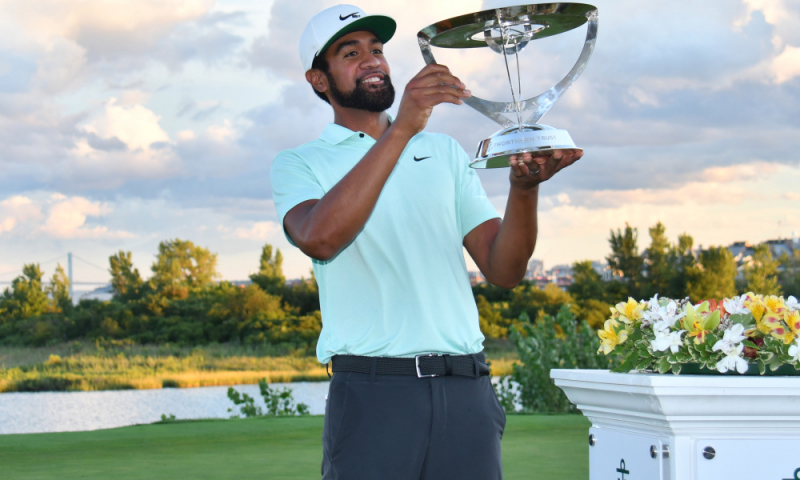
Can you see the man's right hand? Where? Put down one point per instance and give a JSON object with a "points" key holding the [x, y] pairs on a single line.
{"points": [[433, 85]]}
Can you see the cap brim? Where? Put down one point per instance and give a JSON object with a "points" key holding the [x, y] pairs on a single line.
{"points": [[381, 25]]}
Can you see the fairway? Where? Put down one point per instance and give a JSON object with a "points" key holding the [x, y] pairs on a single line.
{"points": [[534, 447]]}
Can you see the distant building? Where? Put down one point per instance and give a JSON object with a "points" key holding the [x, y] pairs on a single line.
{"points": [[535, 269], [475, 278], [606, 273]]}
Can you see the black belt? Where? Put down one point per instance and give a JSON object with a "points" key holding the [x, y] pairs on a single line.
{"points": [[430, 365]]}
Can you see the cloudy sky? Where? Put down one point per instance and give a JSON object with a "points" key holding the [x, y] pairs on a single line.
{"points": [[126, 122]]}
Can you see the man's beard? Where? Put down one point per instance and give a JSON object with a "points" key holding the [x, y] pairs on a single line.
{"points": [[361, 98]]}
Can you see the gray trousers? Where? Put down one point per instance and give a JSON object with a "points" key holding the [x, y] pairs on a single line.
{"points": [[382, 427]]}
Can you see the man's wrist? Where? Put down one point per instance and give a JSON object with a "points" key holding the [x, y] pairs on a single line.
{"points": [[526, 190], [398, 133]]}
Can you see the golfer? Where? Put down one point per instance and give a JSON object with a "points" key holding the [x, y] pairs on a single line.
{"points": [[384, 209]]}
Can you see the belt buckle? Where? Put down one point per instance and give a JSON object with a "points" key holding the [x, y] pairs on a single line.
{"points": [[416, 361]]}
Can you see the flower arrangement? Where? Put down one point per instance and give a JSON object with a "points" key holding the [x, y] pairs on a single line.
{"points": [[664, 335]]}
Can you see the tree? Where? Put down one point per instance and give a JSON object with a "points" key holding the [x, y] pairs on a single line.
{"points": [[532, 301], [125, 278], [658, 268], [790, 274], [589, 291], [492, 322], [761, 274], [682, 261], [182, 267], [713, 276], [59, 290], [25, 298], [303, 296], [270, 272], [586, 282], [625, 259]]}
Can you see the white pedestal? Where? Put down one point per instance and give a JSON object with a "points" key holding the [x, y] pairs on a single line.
{"points": [[751, 423]]}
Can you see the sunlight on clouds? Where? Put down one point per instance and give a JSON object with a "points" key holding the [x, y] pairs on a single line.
{"points": [[15, 210], [259, 231], [738, 173], [75, 19], [64, 217], [133, 124], [641, 97], [186, 135], [787, 65], [746, 202], [224, 133], [774, 11]]}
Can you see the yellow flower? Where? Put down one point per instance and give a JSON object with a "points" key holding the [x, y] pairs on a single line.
{"points": [[609, 336], [756, 306], [785, 326], [631, 311], [774, 304]]}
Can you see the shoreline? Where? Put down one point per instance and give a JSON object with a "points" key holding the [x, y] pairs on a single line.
{"points": [[37, 381]]}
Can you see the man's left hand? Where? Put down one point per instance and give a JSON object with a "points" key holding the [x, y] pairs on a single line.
{"points": [[528, 171]]}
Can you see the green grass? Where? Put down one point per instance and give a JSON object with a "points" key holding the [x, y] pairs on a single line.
{"points": [[535, 447]]}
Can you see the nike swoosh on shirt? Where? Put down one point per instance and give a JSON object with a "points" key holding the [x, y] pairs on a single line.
{"points": [[354, 15], [420, 159]]}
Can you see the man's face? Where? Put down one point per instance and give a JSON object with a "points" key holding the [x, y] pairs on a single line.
{"points": [[358, 75]]}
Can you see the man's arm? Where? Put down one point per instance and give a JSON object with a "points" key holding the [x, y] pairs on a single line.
{"points": [[502, 249], [322, 228]]}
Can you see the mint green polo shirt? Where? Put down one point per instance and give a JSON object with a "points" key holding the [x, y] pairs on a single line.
{"points": [[401, 287]]}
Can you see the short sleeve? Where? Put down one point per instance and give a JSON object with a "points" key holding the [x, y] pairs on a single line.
{"points": [[293, 182], [473, 205]]}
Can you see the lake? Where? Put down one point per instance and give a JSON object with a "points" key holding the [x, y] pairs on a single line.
{"points": [[75, 411]]}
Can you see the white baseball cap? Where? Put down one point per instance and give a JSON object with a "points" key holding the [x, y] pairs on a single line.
{"points": [[331, 24]]}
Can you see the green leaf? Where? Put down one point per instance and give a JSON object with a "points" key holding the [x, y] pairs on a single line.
{"points": [[624, 367], [774, 363], [676, 369], [762, 367], [663, 365], [748, 343], [710, 322], [643, 364], [744, 319], [635, 335]]}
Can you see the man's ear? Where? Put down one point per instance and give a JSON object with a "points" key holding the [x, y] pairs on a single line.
{"points": [[318, 80]]}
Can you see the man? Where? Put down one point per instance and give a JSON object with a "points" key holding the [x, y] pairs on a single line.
{"points": [[383, 209]]}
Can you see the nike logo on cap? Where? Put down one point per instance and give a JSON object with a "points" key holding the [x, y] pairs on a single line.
{"points": [[354, 15], [419, 159]]}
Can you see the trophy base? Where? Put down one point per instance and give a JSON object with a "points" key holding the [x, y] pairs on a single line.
{"points": [[495, 151]]}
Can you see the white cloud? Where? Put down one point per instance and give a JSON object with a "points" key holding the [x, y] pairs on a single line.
{"points": [[15, 210], [258, 231], [56, 216], [135, 125], [786, 66]]}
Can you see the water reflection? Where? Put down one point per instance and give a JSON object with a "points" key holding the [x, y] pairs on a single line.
{"points": [[76, 411]]}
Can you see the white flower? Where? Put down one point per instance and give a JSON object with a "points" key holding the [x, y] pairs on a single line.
{"points": [[794, 351], [730, 340], [735, 305], [662, 317], [732, 347], [733, 360], [792, 304], [666, 340]]}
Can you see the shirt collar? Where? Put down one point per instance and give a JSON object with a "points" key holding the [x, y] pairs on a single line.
{"points": [[336, 134]]}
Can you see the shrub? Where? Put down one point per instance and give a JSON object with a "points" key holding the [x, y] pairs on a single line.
{"points": [[278, 402], [552, 342]]}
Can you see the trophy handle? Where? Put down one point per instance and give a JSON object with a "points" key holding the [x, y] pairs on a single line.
{"points": [[539, 104]]}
